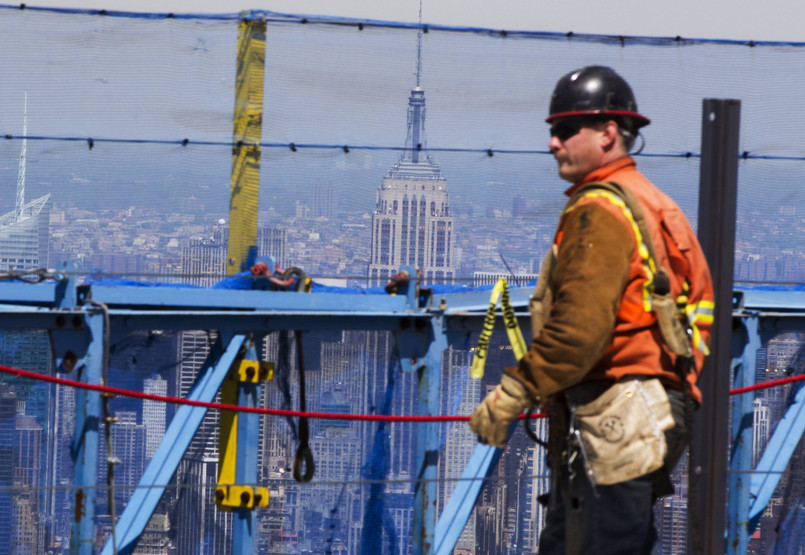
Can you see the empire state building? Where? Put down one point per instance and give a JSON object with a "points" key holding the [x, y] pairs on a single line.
{"points": [[412, 224]]}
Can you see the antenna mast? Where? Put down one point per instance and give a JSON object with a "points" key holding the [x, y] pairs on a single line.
{"points": [[21, 176], [419, 47]]}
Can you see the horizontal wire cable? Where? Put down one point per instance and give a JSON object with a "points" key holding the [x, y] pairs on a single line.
{"points": [[286, 483], [290, 482], [347, 148], [360, 24]]}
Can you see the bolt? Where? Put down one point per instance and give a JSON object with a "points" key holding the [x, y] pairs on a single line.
{"points": [[76, 321], [219, 494], [244, 498], [405, 323], [69, 361], [420, 325], [250, 372], [60, 321]]}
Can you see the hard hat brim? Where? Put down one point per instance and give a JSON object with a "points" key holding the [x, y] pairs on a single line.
{"points": [[640, 119]]}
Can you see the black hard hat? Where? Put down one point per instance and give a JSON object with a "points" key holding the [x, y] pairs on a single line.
{"points": [[595, 91]]}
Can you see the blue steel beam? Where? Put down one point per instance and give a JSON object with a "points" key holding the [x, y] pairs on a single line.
{"points": [[741, 436], [210, 299], [84, 449], [776, 456], [766, 300], [171, 449], [27, 293], [462, 501], [123, 320], [162, 298], [244, 521], [427, 444]]}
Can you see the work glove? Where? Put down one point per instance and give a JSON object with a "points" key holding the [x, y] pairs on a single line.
{"points": [[501, 407]]}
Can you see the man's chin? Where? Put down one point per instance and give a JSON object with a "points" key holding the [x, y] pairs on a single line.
{"points": [[567, 175]]}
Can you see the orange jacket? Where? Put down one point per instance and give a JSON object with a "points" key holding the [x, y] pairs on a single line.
{"points": [[600, 326]]}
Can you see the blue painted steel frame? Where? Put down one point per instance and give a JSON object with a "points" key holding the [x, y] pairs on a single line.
{"points": [[177, 308], [84, 449], [244, 521], [427, 444], [171, 449], [462, 501], [762, 314], [776, 456], [45, 306], [741, 437]]}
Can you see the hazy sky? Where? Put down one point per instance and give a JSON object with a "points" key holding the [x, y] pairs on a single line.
{"points": [[773, 20]]}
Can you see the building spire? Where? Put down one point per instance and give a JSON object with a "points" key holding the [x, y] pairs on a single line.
{"points": [[419, 47], [20, 205], [415, 139]]}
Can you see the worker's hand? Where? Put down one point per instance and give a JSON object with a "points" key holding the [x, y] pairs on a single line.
{"points": [[501, 407]]}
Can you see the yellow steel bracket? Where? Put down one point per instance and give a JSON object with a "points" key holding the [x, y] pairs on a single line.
{"points": [[240, 497], [253, 371], [229, 495], [246, 137]]}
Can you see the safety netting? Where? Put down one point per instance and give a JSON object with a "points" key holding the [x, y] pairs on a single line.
{"points": [[117, 158]]}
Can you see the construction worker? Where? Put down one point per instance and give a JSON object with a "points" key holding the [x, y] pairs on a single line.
{"points": [[601, 361]]}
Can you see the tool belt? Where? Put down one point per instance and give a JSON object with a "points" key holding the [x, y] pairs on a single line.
{"points": [[622, 432]]}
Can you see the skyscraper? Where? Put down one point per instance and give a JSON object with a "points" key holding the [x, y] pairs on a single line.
{"points": [[273, 241], [204, 259], [24, 246], [128, 445], [411, 224], [24, 231], [154, 414], [24, 241]]}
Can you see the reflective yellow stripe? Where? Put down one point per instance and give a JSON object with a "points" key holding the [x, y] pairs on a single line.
{"points": [[698, 342], [648, 264], [701, 312], [501, 291]]}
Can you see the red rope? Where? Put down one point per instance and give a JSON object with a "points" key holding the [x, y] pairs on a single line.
{"points": [[324, 415], [765, 385], [221, 406]]}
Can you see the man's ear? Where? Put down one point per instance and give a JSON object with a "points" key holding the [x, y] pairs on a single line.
{"points": [[609, 135]]}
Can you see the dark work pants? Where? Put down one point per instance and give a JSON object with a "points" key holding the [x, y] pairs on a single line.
{"points": [[610, 520]]}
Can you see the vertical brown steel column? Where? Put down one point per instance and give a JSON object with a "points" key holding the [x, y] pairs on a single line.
{"points": [[718, 194]]}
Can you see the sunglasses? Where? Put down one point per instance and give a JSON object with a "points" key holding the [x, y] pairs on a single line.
{"points": [[565, 129]]}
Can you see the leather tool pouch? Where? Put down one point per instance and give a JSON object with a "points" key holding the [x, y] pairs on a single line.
{"points": [[668, 317], [623, 430]]}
